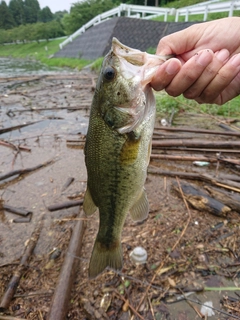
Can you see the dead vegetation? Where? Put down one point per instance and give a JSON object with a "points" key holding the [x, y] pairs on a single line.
{"points": [[191, 236]]}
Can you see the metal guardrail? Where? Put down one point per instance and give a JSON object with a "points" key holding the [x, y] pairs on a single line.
{"points": [[123, 9], [149, 12], [228, 6]]}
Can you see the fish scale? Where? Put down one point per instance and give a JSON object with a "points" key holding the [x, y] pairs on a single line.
{"points": [[117, 149]]}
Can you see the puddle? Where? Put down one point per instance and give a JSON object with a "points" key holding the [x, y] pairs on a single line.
{"points": [[17, 67]]}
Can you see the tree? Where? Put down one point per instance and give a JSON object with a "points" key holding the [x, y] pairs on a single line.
{"points": [[59, 15], [6, 18], [45, 15], [31, 10], [46, 30], [3, 36], [82, 12], [17, 9]]}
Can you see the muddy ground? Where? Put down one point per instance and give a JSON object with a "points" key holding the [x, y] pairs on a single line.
{"points": [[193, 254]]}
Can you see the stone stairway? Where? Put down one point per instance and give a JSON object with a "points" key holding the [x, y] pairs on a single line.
{"points": [[136, 33]]}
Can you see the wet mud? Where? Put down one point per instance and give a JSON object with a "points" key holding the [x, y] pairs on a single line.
{"points": [[193, 255]]}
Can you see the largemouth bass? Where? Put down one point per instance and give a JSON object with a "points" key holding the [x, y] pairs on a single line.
{"points": [[118, 148]]}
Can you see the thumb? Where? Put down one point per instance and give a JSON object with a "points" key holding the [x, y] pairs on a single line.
{"points": [[179, 42]]}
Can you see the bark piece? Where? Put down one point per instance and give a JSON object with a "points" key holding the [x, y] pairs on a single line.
{"points": [[201, 201], [68, 273]]}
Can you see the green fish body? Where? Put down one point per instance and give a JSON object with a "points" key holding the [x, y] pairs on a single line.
{"points": [[118, 148]]}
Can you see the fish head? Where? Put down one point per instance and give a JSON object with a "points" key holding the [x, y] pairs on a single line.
{"points": [[124, 94]]}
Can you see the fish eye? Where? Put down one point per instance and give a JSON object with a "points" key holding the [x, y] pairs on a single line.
{"points": [[109, 73]]}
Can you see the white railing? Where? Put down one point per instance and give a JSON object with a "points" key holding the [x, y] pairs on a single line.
{"points": [[123, 9], [149, 12], [206, 8]]}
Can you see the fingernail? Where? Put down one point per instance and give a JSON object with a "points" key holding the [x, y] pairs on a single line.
{"points": [[204, 57], [172, 68], [222, 55], [235, 60]]}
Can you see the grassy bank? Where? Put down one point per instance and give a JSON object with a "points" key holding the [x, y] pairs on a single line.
{"points": [[43, 52], [166, 104]]}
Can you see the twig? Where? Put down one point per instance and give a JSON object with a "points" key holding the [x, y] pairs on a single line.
{"points": [[36, 293], [65, 205], [215, 309], [67, 183], [22, 171], [11, 145], [189, 215], [13, 284], [4, 130], [151, 308], [130, 306], [68, 273], [9, 318], [191, 305]]}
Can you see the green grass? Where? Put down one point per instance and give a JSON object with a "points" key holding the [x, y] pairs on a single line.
{"points": [[96, 65], [41, 51], [165, 105]]}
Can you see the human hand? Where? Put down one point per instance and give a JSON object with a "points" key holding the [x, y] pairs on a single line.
{"points": [[206, 75]]}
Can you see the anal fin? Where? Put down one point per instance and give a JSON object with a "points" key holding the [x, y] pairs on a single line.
{"points": [[89, 206], [140, 209]]}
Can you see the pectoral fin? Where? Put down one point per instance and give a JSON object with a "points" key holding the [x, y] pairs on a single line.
{"points": [[89, 206], [140, 209]]}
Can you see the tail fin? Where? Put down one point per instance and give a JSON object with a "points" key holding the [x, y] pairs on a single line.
{"points": [[103, 257]]}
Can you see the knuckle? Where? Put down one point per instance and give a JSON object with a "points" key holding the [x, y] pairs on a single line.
{"points": [[190, 94], [172, 92]]}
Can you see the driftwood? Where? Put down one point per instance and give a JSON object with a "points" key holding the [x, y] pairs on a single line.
{"points": [[226, 127], [23, 171], [71, 108], [194, 143], [67, 183], [21, 80], [13, 284], [203, 150], [179, 129], [229, 199], [195, 158], [183, 158], [19, 211], [221, 182], [200, 200], [25, 79], [68, 273], [23, 219], [65, 205]]}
